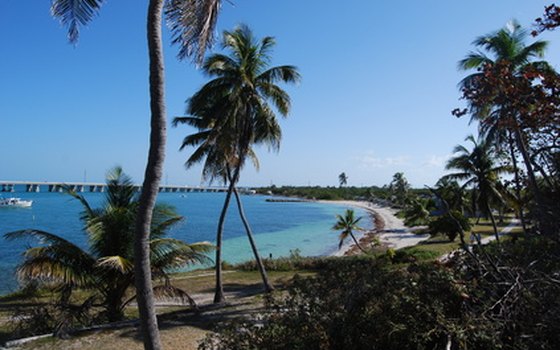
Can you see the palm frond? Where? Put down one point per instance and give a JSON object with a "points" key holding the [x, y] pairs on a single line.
{"points": [[168, 253], [474, 60], [115, 263], [75, 13], [88, 212], [167, 291], [192, 24], [278, 96]]}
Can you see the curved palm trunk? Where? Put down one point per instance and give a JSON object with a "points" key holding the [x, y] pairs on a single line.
{"points": [[267, 286], [152, 176], [219, 292], [114, 303], [532, 179], [517, 183], [493, 220], [356, 242]]}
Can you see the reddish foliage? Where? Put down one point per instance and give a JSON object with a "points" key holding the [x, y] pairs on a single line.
{"points": [[549, 21], [528, 98]]}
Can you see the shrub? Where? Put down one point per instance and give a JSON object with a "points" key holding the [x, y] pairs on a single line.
{"points": [[495, 297], [353, 304], [447, 225]]}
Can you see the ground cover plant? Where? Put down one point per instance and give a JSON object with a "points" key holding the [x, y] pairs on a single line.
{"points": [[497, 297]]}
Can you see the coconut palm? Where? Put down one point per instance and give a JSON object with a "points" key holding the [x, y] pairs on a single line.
{"points": [[417, 212], [506, 46], [477, 168], [234, 111], [342, 179], [454, 194], [214, 148], [107, 266], [348, 223], [192, 24]]}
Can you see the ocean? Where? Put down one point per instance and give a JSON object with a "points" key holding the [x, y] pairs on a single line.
{"points": [[279, 227]]}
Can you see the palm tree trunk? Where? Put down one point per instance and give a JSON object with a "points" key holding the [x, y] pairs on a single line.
{"points": [[517, 182], [219, 296], [493, 220], [532, 179], [356, 242], [152, 177], [267, 286]]}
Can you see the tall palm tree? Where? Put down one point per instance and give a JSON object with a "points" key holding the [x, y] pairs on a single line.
{"points": [[506, 46], [455, 195], [477, 168], [192, 24], [417, 212], [342, 179], [233, 112], [348, 223], [107, 267], [214, 143]]}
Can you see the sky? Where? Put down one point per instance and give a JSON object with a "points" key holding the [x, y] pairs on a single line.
{"points": [[379, 81]]}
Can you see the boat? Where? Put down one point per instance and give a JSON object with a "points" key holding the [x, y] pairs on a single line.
{"points": [[14, 202]]}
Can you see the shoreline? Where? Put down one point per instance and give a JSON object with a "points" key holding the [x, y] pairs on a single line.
{"points": [[388, 228]]}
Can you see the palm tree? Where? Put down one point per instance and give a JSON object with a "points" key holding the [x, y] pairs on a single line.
{"points": [[416, 212], [348, 224], [233, 112], [506, 46], [108, 265], [342, 179], [454, 195], [214, 147], [478, 169], [192, 24]]}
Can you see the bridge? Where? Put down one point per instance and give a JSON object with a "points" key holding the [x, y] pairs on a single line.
{"points": [[37, 186]]}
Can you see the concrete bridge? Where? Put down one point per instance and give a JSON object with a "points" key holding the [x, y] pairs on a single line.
{"points": [[34, 186]]}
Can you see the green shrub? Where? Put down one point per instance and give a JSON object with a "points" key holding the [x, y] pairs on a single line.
{"points": [[498, 297], [447, 225], [413, 254]]}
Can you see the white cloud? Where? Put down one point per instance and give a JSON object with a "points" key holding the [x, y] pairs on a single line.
{"points": [[370, 160], [437, 161]]}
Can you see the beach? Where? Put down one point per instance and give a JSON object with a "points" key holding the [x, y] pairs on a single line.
{"points": [[388, 228]]}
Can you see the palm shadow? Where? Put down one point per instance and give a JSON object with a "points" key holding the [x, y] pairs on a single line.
{"points": [[208, 316]]}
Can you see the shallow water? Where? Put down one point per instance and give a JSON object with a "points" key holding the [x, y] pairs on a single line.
{"points": [[278, 227]]}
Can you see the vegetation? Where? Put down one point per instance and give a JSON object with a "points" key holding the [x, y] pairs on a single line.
{"points": [[399, 189], [107, 267], [327, 193], [342, 179], [495, 296], [233, 112], [514, 98], [348, 223], [447, 225], [192, 24], [468, 305], [477, 168]]}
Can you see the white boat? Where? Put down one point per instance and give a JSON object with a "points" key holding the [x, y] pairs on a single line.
{"points": [[14, 203]]}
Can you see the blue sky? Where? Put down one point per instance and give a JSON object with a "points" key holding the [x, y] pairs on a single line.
{"points": [[379, 82]]}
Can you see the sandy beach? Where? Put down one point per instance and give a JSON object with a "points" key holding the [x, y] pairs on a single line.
{"points": [[390, 230]]}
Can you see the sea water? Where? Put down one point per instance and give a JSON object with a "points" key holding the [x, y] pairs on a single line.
{"points": [[279, 227]]}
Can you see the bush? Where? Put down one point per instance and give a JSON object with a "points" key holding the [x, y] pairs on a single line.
{"points": [[296, 262], [497, 297], [447, 225], [413, 254], [353, 304]]}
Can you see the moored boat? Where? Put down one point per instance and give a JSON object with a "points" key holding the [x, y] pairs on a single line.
{"points": [[14, 202]]}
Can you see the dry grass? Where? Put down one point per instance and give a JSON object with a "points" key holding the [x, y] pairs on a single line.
{"points": [[181, 327]]}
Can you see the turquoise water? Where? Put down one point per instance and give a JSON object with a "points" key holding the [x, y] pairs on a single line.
{"points": [[278, 227]]}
